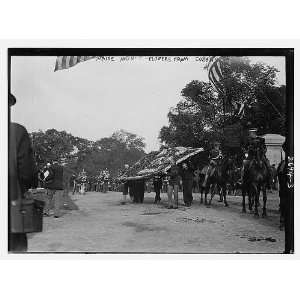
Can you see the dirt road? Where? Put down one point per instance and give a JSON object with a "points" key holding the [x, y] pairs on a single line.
{"points": [[103, 225]]}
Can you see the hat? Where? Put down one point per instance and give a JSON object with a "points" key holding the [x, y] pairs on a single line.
{"points": [[253, 132], [11, 100], [253, 129]]}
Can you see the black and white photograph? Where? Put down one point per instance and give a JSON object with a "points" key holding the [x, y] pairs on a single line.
{"points": [[151, 150]]}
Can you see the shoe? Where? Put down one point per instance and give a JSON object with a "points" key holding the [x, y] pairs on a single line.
{"points": [[170, 207], [56, 216]]}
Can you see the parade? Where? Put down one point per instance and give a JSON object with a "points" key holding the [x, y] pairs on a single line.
{"points": [[223, 159]]}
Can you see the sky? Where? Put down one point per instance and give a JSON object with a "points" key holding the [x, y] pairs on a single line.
{"points": [[95, 98]]}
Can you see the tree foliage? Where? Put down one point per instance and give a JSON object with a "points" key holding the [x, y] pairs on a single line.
{"points": [[78, 153], [201, 114]]}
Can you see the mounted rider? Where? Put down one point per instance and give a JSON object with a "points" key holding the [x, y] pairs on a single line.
{"points": [[215, 157], [253, 144]]}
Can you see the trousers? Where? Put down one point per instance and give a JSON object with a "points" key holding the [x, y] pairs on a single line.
{"points": [[54, 201], [187, 191], [173, 190]]}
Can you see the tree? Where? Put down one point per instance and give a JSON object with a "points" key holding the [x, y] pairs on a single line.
{"points": [[199, 116], [79, 153], [52, 145], [253, 86], [131, 140], [195, 119]]}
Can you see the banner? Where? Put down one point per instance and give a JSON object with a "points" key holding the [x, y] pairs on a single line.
{"points": [[158, 162]]}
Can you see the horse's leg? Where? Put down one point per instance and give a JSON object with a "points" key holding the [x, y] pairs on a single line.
{"points": [[206, 188], [251, 197], [244, 199], [224, 195], [221, 192], [257, 192], [211, 190], [201, 196], [264, 190], [250, 200], [212, 193]]}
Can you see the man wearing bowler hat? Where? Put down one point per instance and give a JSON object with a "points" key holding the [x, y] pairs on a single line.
{"points": [[21, 174]]}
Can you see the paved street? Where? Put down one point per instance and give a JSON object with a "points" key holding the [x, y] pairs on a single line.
{"points": [[103, 225]]}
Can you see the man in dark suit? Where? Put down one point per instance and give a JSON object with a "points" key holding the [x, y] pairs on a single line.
{"points": [[187, 175], [21, 173], [55, 187], [157, 183]]}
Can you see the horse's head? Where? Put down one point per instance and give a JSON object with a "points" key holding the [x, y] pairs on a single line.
{"points": [[259, 157], [228, 164]]}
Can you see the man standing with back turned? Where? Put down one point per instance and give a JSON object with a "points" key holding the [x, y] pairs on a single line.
{"points": [[56, 187], [21, 173]]}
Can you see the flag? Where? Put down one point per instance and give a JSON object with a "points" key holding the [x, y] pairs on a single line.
{"points": [[158, 162], [215, 73], [65, 62]]}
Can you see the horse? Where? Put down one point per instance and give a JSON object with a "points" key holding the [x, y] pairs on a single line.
{"points": [[255, 180], [218, 178], [283, 191]]}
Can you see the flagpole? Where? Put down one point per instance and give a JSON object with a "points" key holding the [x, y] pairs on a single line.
{"points": [[224, 98]]}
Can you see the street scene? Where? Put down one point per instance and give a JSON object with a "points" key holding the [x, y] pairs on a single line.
{"points": [[101, 224], [150, 154]]}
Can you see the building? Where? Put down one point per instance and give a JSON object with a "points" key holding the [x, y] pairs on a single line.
{"points": [[274, 148]]}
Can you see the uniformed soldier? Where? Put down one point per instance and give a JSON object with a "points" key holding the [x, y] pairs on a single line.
{"points": [[253, 143], [105, 180], [215, 156]]}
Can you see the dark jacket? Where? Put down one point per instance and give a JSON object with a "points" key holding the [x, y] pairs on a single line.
{"points": [[187, 174], [255, 143], [157, 181], [173, 174], [21, 165], [56, 181]]}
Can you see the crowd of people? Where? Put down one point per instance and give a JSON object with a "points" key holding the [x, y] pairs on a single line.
{"points": [[103, 182], [189, 177]]}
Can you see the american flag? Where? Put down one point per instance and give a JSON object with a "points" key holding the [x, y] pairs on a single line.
{"points": [[215, 73], [65, 62]]}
